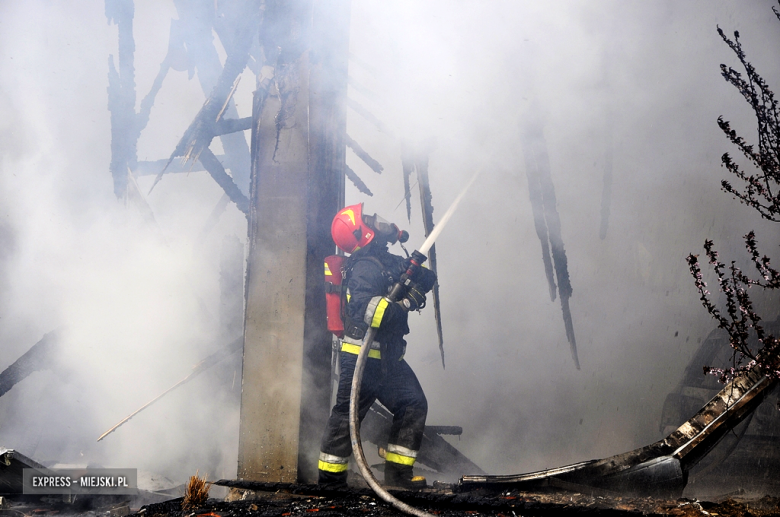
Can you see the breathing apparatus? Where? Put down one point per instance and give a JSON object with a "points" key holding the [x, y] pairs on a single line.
{"points": [[385, 230], [353, 230]]}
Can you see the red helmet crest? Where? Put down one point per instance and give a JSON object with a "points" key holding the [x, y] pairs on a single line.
{"points": [[348, 230]]}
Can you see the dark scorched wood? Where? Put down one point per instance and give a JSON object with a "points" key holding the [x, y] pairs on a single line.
{"points": [[435, 452], [203, 128], [547, 221], [660, 468], [426, 201], [277, 499], [39, 357], [363, 155]]}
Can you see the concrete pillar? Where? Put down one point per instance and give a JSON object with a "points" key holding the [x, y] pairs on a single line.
{"points": [[327, 159], [297, 163]]}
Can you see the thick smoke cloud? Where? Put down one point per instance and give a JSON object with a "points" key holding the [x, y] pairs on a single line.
{"points": [[140, 303], [642, 80]]}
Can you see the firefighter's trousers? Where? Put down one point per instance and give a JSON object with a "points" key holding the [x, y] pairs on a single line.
{"points": [[399, 391]]}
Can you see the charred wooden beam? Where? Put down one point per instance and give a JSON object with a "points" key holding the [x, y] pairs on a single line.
{"points": [[126, 125], [265, 81], [363, 155], [407, 165], [203, 128], [232, 125], [355, 179], [40, 356], [152, 167], [121, 95], [448, 430], [199, 134], [142, 118], [435, 452], [426, 201], [547, 221], [660, 468], [197, 21], [438, 453], [537, 207], [363, 112], [214, 167], [12, 466]]}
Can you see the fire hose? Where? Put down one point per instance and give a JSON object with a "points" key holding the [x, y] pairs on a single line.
{"points": [[417, 259]]}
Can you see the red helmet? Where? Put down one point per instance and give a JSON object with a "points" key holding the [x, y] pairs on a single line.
{"points": [[349, 231]]}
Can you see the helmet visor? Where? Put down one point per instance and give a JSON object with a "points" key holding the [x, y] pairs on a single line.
{"points": [[385, 229]]}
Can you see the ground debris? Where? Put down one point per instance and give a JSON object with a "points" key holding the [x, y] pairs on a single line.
{"points": [[291, 501], [196, 493]]}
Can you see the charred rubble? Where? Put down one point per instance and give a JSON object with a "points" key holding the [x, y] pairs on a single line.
{"points": [[41, 356], [256, 499], [748, 455], [648, 481]]}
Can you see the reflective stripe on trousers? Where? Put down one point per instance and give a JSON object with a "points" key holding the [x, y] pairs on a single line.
{"points": [[401, 455], [332, 463], [355, 349], [399, 391]]}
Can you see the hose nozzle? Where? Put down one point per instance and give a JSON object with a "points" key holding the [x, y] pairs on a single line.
{"points": [[414, 262]]}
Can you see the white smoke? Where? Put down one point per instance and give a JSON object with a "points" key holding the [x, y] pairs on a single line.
{"points": [[140, 301]]}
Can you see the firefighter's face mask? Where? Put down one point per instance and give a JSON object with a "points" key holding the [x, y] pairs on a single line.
{"points": [[385, 230]]}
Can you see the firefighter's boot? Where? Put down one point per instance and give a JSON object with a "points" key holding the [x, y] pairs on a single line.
{"points": [[332, 480], [401, 476], [332, 471]]}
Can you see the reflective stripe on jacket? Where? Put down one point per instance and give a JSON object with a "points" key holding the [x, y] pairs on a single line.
{"points": [[371, 274], [352, 346], [375, 311]]}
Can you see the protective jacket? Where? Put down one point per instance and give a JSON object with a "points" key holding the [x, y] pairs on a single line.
{"points": [[370, 273]]}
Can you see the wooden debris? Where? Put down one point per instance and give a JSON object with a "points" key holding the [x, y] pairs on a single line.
{"points": [[199, 368], [355, 179], [41, 356], [197, 492], [363, 155]]}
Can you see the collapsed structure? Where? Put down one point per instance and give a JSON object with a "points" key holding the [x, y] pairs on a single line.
{"points": [[297, 166]]}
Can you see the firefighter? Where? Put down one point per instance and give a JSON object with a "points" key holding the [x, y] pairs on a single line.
{"points": [[370, 272]]}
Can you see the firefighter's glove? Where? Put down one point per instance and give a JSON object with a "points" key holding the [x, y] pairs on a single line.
{"points": [[424, 278], [414, 299]]}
